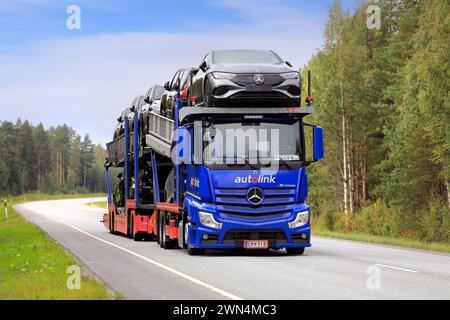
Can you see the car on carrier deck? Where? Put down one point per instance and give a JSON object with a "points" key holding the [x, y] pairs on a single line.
{"points": [[250, 77], [128, 115], [153, 98], [179, 83]]}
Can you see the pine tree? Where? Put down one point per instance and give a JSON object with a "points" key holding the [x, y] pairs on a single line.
{"points": [[88, 157], [42, 146]]}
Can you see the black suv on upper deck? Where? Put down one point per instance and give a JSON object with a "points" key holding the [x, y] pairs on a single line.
{"points": [[250, 77]]}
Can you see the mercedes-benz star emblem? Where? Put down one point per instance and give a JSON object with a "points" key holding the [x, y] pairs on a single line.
{"points": [[258, 79], [255, 195]]}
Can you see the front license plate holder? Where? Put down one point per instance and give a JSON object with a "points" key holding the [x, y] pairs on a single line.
{"points": [[256, 88], [256, 244]]}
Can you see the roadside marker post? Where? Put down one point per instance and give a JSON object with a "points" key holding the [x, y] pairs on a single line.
{"points": [[6, 209]]}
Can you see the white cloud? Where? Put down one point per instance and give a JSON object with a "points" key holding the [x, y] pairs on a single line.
{"points": [[86, 82]]}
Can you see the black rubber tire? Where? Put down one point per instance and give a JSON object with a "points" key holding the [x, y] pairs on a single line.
{"points": [[129, 231], [167, 243], [207, 94], [111, 224], [163, 107], [160, 233], [194, 251], [142, 129], [295, 251]]}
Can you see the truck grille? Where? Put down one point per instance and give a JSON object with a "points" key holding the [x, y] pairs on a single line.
{"points": [[247, 79], [233, 204]]}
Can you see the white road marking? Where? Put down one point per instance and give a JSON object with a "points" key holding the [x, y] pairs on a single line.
{"points": [[178, 273], [396, 268]]}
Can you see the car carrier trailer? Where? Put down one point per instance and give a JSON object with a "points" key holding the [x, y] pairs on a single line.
{"points": [[169, 191]]}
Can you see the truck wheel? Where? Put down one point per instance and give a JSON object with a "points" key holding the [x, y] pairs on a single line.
{"points": [[295, 251], [166, 243], [160, 231], [111, 224], [207, 94], [193, 251]]}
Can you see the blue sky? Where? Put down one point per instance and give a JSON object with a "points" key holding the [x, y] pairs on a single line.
{"points": [[85, 77]]}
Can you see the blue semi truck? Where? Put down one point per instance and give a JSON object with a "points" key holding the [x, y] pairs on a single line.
{"points": [[215, 178]]}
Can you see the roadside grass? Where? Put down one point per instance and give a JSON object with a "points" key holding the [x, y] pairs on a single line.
{"points": [[33, 266], [99, 204], [401, 242]]}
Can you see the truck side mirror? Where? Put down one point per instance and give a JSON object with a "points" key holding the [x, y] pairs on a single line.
{"points": [[167, 85], [181, 146], [203, 66], [318, 143], [313, 143]]}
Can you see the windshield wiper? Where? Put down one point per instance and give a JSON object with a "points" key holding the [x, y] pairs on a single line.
{"points": [[285, 163], [247, 162]]}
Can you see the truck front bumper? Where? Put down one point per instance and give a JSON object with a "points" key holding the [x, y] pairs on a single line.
{"points": [[234, 232], [232, 236]]}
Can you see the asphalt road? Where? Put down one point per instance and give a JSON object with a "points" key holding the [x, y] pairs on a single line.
{"points": [[331, 269]]}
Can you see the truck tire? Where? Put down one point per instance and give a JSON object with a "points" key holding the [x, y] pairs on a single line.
{"points": [[295, 251], [166, 243], [111, 224], [160, 231], [193, 251], [207, 94]]}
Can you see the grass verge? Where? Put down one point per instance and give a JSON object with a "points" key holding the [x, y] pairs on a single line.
{"points": [[99, 204], [33, 266], [401, 242]]}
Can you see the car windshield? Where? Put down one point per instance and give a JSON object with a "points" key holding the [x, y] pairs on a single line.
{"points": [[253, 142], [245, 56], [184, 78], [158, 92]]}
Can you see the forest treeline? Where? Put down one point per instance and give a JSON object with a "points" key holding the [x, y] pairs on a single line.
{"points": [[382, 97], [54, 160]]}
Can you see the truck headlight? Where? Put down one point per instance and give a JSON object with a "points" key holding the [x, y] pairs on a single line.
{"points": [[223, 75], [207, 219], [289, 75], [300, 220]]}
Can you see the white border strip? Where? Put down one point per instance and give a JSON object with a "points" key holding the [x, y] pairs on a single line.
{"points": [[396, 268]]}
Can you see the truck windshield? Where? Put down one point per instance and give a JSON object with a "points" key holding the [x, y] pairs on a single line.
{"points": [[252, 142]]}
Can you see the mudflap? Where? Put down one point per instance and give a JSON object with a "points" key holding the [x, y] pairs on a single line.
{"points": [[106, 220]]}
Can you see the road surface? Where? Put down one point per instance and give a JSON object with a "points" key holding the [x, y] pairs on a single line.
{"points": [[331, 269]]}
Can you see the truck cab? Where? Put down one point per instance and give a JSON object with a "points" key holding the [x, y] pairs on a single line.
{"points": [[245, 178]]}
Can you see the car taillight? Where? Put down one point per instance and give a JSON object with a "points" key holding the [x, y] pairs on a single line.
{"points": [[184, 92]]}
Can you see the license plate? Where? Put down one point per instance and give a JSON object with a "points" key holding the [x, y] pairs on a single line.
{"points": [[253, 88], [256, 244]]}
